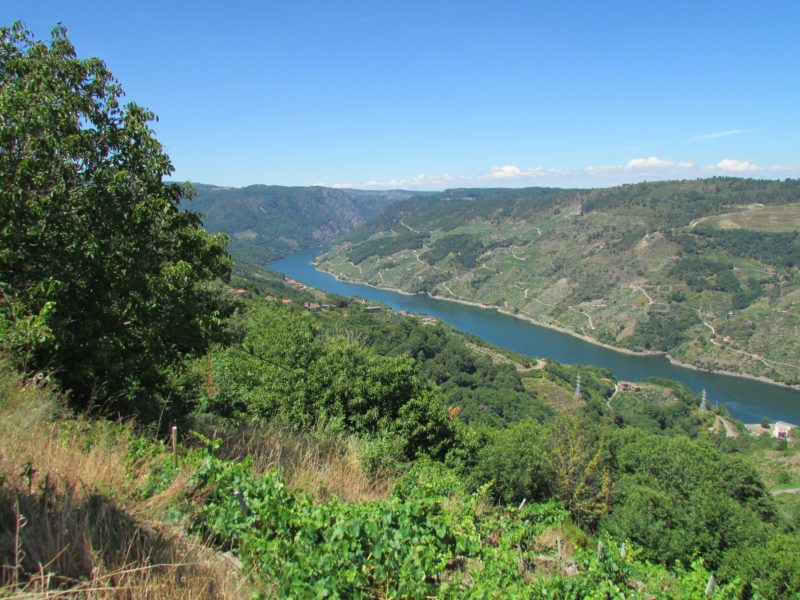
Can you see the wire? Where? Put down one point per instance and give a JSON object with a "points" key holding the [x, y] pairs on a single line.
{"points": [[266, 360]]}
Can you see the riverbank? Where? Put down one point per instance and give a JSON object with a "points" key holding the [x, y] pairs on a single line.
{"points": [[560, 329]]}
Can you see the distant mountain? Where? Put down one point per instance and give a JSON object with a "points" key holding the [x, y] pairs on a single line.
{"points": [[706, 270], [269, 221]]}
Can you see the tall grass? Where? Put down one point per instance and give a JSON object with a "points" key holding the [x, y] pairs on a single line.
{"points": [[71, 523], [320, 462]]}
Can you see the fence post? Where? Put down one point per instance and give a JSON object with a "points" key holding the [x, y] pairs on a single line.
{"points": [[245, 509], [599, 551], [280, 463], [175, 445]]}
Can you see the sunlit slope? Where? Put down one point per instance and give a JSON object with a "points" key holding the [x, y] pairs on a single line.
{"points": [[706, 270]]}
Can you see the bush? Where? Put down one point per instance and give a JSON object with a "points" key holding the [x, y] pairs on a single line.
{"points": [[515, 460]]}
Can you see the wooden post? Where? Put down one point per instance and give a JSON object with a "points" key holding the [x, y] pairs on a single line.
{"points": [[710, 586], [245, 509], [558, 546], [175, 446], [280, 461], [623, 551], [599, 551]]}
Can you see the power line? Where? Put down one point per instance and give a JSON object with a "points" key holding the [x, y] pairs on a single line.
{"points": [[259, 357]]}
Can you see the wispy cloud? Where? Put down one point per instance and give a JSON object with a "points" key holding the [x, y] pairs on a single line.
{"points": [[514, 172], [718, 134], [651, 168], [417, 182]]}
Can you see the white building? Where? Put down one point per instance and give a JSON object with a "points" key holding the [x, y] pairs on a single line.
{"points": [[782, 430]]}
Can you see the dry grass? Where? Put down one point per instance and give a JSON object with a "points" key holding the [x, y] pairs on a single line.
{"points": [[322, 464], [759, 218], [561, 399], [72, 523], [69, 521]]}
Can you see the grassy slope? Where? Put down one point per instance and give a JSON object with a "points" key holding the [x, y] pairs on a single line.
{"points": [[98, 509], [77, 513], [82, 516], [606, 273], [128, 504]]}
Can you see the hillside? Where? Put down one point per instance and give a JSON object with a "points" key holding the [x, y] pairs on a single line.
{"points": [[265, 222], [705, 270], [174, 425]]}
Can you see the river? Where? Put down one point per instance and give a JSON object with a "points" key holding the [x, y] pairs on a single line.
{"points": [[747, 399]]}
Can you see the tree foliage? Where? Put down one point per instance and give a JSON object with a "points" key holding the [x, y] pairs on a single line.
{"points": [[581, 475], [284, 369], [679, 498], [94, 251]]}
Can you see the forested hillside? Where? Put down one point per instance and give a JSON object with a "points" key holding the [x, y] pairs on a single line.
{"points": [[706, 270], [265, 222]]}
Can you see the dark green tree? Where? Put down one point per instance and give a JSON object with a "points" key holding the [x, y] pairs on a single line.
{"points": [[105, 282]]}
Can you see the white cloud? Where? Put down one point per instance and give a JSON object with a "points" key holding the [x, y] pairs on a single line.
{"points": [[718, 134], [514, 172], [507, 175], [505, 172], [651, 168], [637, 167], [417, 182], [653, 161], [737, 166]]}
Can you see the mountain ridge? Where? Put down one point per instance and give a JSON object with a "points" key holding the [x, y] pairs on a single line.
{"points": [[265, 222]]}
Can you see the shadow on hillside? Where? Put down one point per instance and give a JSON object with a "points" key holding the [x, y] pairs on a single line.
{"points": [[57, 536]]}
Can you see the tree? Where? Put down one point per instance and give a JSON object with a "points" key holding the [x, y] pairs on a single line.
{"points": [[581, 475], [105, 282], [516, 459]]}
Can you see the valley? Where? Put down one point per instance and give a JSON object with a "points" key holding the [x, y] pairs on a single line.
{"points": [[634, 268]]}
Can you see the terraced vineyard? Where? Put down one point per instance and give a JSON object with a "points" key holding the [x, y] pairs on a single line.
{"points": [[704, 270]]}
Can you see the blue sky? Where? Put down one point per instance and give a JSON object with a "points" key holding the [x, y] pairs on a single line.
{"points": [[436, 94]]}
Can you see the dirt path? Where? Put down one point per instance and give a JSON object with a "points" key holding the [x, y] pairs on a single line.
{"points": [[730, 431], [767, 361], [408, 227], [449, 291], [585, 314], [786, 491], [497, 357], [544, 303], [422, 262], [697, 222], [611, 397], [641, 289], [710, 326]]}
